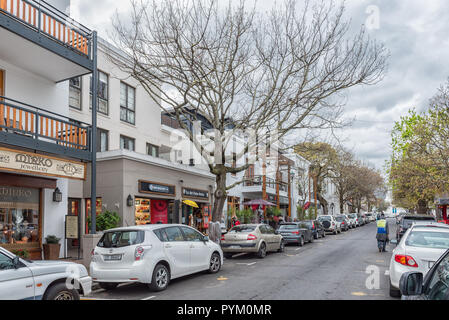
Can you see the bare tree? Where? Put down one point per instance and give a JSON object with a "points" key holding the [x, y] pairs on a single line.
{"points": [[238, 69]]}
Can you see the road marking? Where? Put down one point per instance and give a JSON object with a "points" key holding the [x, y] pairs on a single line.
{"points": [[298, 249], [149, 298], [98, 290], [246, 264], [380, 261], [359, 294], [222, 279], [387, 272]]}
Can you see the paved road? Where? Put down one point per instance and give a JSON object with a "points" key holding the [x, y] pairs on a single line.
{"points": [[336, 267]]}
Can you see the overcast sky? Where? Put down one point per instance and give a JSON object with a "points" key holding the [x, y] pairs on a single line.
{"points": [[414, 31]]}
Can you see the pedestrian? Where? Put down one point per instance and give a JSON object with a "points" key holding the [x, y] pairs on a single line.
{"points": [[382, 235]]}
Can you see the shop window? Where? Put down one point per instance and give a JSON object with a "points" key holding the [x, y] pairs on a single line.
{"points": [[75, 93], [98, 211], [143, 212], [127, 143], [102, 93], [127, 103], [19, 217]]}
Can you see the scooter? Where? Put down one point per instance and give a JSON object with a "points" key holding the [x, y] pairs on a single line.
{"points": [[381, 245]]}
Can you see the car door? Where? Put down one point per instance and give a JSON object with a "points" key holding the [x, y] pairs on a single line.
{"points": [[177, 251], [199, 250], [265, 236], [15, 284], [274, 238], [437, 286]]}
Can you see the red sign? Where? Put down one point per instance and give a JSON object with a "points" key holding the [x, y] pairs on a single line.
{"points": [[159, 211], [306, 206]]}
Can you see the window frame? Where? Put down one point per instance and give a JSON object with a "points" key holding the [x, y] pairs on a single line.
{"points": [[80, 90], [201, 236], [126, 138], [106, 99], [156, 148], [99, 132], [127, 108]]}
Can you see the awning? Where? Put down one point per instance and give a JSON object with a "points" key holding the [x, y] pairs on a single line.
{"points": [[191, 203]]}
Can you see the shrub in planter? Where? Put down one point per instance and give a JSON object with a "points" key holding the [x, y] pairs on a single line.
{"points": [[51, 247], [105, 221]]}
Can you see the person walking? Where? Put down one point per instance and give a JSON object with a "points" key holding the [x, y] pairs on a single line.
{"points": [[382, 234]]}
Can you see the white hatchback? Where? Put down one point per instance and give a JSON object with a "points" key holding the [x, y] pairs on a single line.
{"points": [[152, 254], [420, 247]]}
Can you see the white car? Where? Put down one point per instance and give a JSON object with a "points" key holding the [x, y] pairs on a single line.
{"points": [[420, 247], [41, 280], [152, 254], [330, 224], [353, 220]]}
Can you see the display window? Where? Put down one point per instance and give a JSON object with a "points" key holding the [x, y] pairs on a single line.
{"points": [[19, 217], [198, 218], [98, 211], [151, 211]]}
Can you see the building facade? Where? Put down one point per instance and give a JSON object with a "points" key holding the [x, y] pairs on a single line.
{"points": [[41, 148]]}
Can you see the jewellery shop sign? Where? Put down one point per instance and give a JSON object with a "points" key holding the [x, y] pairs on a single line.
{"points": [[19, 161]]}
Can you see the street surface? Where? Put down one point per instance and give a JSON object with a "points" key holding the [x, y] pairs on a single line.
{"points": [[336, 267]]}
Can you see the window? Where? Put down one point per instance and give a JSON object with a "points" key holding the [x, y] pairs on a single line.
{"points": [[173, 234], [5, 262], [102, 140], [192, 235], [127, 143], [119, 239], [102, 93], [438, 288], [127, 103], [152, 150], [75, 93]]}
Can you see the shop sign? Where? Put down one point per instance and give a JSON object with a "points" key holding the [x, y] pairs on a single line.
{"points": [[156, 188], [193, 193], [19, 161], [22, 195], [71, 227]]}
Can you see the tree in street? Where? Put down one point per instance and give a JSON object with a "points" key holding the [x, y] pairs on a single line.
{"points": [[243, 70]]}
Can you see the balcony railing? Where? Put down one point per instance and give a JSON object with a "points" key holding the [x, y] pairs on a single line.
{"points": [[170, 122], [271, 183], [49, 21], [44, 130]]}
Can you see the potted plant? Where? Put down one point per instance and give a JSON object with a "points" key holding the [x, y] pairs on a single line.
{"points": [[105, 221], [51, 247]]}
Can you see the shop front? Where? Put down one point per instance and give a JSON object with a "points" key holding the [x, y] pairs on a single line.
{"points": [[196, 209], [155, 208]]}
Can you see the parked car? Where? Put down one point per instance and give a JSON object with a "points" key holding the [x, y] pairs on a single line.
{"points": [[41, 280], [434, 286], [421, 246], [252, 238], [407, 220], [344, 222], [361, 219], [317, 228], [295, 232], [371, 217], [153, 255], [353, 220], [365, 218], [330, 224]]}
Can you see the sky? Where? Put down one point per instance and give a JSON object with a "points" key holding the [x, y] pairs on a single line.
{"points": [[414, 31]]}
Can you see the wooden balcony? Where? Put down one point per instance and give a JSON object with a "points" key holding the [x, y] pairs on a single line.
{"points": [[37, 129]]}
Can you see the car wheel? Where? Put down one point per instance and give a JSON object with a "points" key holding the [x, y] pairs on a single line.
{"points": [[262, 253], [60, 291], [108, 285], [301, 242], [335, 232], [317, 235], [311, 239], [215, 263], [281, 246], [160, 279], [228, 255], [394, 293], [324, 235]]}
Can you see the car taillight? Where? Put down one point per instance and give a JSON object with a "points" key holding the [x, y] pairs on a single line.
{"points": [[333, 223], [405, 260], [138, 254], [295, 232], [251, 237], [222, 237]]}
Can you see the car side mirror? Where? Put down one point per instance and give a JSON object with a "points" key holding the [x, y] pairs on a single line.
{"points": [[411, 283], [394, 241], [205, 239]]}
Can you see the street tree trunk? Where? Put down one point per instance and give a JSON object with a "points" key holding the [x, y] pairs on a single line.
{"points": [[422, 207], [220, 195]]}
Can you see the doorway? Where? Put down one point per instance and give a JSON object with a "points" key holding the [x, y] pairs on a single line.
{"points": [[74, 245]]}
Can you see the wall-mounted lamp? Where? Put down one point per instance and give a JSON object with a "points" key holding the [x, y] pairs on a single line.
{"points": [[57, 195], [129, 201]]}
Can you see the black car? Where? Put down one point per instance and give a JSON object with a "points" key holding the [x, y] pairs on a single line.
{"points": [[316, 227], [344, 222], [435, 286], [407, 220]]}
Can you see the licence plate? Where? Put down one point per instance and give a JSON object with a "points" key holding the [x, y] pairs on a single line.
{"points": [[234, 247], [113, 257]]}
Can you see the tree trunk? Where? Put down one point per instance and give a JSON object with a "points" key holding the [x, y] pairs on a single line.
{"points": [[422, 207], [219, 196], [323, 203]]}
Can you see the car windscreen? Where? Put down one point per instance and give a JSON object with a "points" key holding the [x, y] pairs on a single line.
{"points": [[340, 219], [242, 229], [428, 239], [325, 218], [118, 239], [352, 216], [288, 226]]}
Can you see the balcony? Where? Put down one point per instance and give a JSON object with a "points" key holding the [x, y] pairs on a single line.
{"points": [[255, 184], [41, 39], [30, 127]]}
